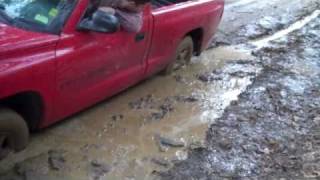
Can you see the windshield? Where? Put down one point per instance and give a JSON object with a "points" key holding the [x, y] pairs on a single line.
{"points": [[34, 14]]}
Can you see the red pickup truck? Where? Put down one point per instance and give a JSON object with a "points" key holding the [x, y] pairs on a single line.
{"points": [[58, 57]]}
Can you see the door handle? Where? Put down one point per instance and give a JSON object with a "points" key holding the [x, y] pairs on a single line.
{"points": [[139, 37]]}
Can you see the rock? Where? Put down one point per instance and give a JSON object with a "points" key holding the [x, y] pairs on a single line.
{"points": [[316, 120], [220, 40], [179, 79], [157, 115], [311, 157], [163, 148], [161, 162], [56, 160], [225, 144], [117, 117], [242, 74], [98, 169], [165, 143], [270, 23], [162, 110], [171, 142], [165, 108], [208, 77], [182, 155], [189, 99], [143, 103], [311, 170], [197, 144]]}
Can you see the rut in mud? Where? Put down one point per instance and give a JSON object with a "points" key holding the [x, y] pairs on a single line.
{"points": [[273, 130]]}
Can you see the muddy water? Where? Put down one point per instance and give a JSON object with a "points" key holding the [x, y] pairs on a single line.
{"points": [[119, 138]]}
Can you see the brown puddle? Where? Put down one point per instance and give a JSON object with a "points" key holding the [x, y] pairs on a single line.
{"points": [[122, 132]]}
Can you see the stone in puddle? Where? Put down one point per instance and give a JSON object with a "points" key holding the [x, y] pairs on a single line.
{"points": [[171, 142], [161, 162], [164, 143]]}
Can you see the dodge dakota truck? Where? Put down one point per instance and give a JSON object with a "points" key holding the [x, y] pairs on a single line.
{"points": [[58, 57]]}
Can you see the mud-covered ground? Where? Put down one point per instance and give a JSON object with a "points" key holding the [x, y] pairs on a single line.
{"points": [[261, 106], [251, 19], [273, 130]]}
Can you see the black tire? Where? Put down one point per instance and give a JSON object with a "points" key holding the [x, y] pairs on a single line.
{"points": [[185, 49], [14, 132]]}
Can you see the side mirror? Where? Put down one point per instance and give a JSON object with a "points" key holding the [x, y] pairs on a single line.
{"points": [[100, 22]]}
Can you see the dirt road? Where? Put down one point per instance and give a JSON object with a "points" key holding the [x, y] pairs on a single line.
{"points": [[146, 132]]}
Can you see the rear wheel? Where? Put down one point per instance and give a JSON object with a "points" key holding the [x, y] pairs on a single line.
{"points": [[14, 132], [182, 56]]}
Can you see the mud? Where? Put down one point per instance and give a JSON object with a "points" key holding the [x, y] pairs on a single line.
{"points": [[143, 130], [272, 131], [242, 22], [160, 126]]}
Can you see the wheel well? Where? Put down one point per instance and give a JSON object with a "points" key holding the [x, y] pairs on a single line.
{"points": [[28, 104], [197, 37]]}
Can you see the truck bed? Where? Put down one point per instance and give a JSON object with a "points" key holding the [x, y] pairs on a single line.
{"points": [[173, 20]]}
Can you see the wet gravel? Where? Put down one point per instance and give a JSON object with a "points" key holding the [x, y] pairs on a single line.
{"points": [[272, 131]]}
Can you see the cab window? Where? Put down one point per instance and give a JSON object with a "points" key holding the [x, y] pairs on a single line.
{"points": [[37, 15]]}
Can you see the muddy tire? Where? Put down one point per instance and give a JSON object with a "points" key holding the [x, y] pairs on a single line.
{"points": [[14, 132], [182, 55]]}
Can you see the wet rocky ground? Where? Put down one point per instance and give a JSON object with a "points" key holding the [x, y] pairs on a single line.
{"points": [[273, 130], [238, 111], [252, 19]]}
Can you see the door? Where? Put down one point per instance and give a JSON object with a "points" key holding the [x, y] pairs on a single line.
{"points": [[92, 66]]}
